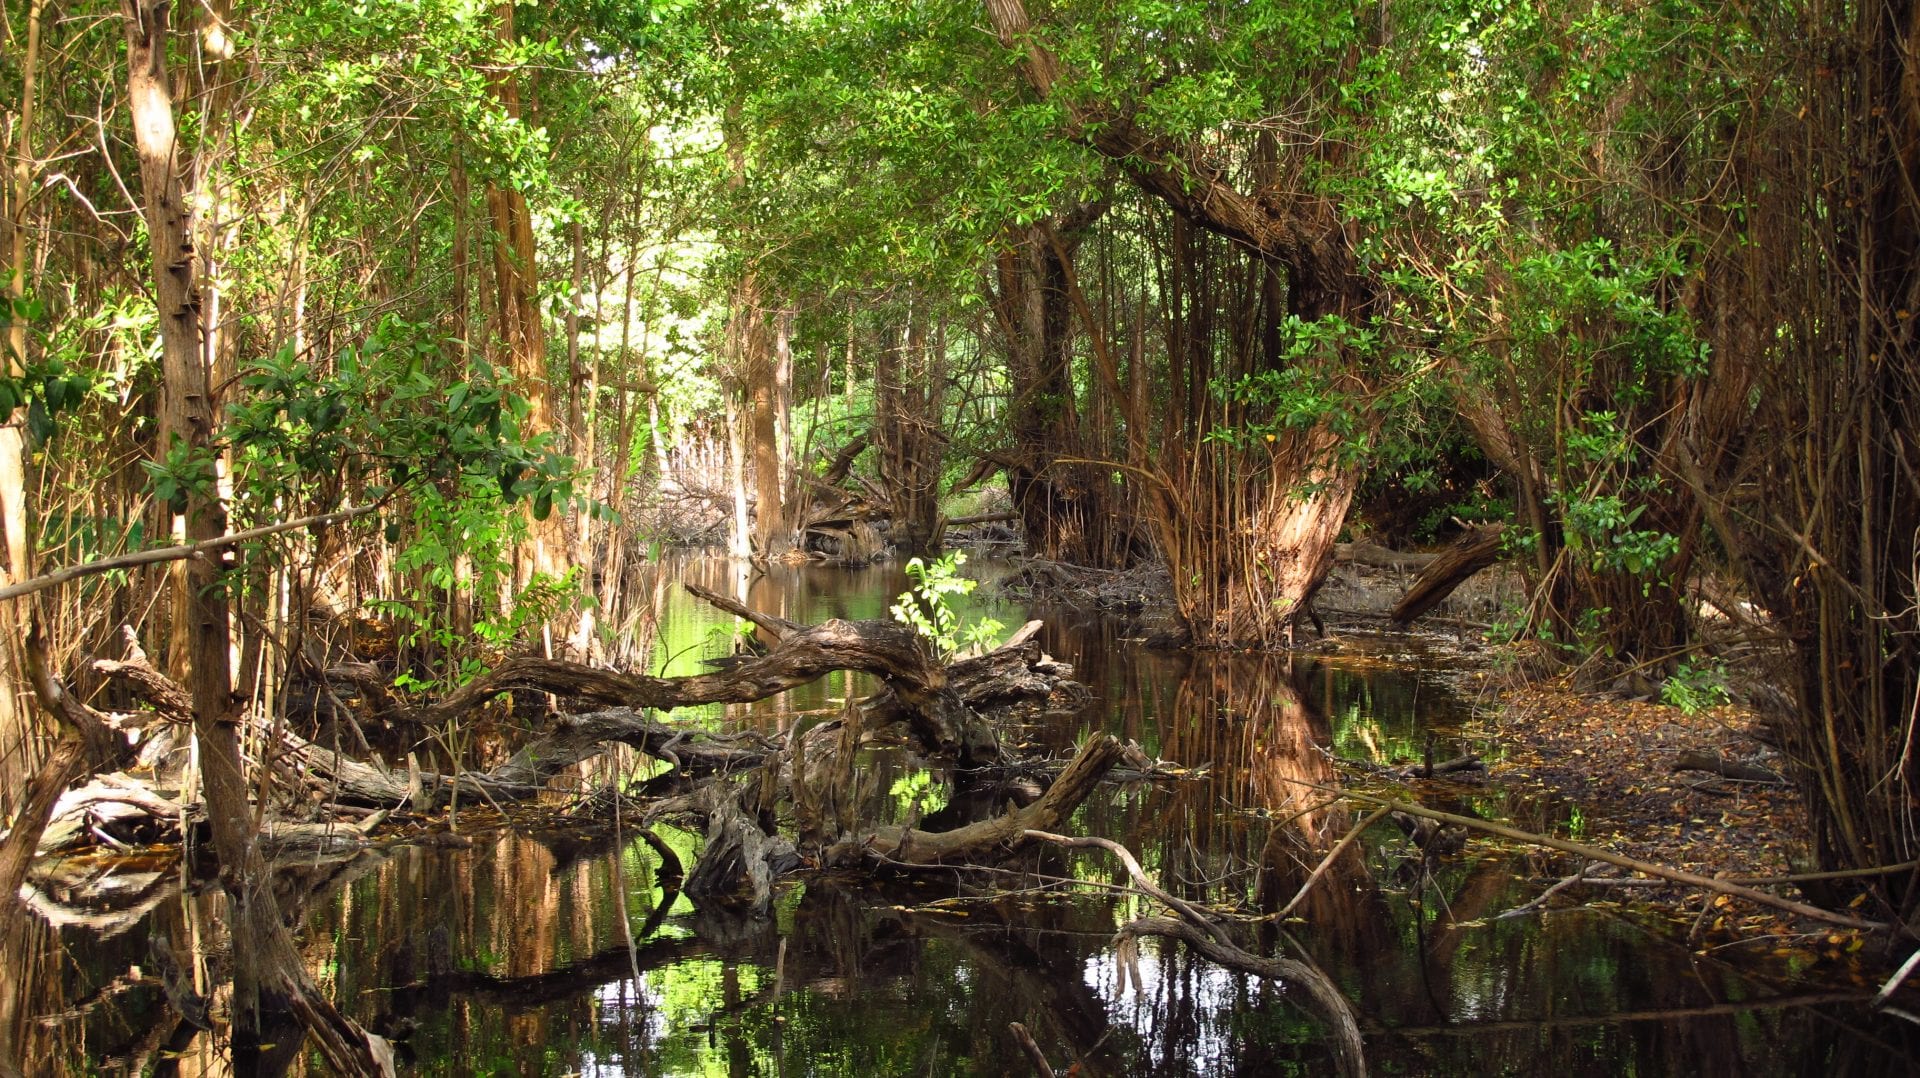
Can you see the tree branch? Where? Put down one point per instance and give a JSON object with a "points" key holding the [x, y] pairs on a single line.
{"points": [[174, 553]]}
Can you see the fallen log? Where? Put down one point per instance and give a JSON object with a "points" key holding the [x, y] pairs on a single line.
{"points": [[886, 649], [1378, 557], [1725, 767], [934, 711], [1471, 553], [981, 518], [568, 740]]}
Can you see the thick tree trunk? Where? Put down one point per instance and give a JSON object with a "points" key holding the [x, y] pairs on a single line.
{"points": [[1247, 533]]}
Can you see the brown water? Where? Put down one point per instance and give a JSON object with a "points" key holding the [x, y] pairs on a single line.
{"points": [[508, 958]]}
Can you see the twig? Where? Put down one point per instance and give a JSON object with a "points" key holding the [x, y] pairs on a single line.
{"points": [[1326, 862], [1893, 983], [1835, 874], [1549, 893], [1207, 936], [1140, 879]]}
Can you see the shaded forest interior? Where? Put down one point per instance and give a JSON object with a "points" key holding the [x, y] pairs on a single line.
{"points": [[361, 360]]}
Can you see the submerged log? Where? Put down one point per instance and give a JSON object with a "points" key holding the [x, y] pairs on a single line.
{"points": [[1471, 553]]}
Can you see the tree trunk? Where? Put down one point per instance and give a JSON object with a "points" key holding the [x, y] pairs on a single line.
{"points": [[517, 303], [1068, 508], [740, 535], [909, 402], [267, 971], [770, 536], [1247, 532], [19, 755]]}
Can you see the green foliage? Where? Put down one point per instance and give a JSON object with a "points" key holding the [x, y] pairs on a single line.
{"points": [[378, 415], [47, 387], [1603, 527], [927, 608], [1695, 687]]}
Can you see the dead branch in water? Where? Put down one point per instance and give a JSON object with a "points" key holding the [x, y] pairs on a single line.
{"points": [[1594, 853], [995, 836], [1206, 935]]}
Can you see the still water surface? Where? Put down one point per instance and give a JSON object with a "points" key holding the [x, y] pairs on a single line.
{"points": [[508, 958]]}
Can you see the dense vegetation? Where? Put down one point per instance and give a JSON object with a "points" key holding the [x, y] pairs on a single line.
{"points": [[507, 293]]}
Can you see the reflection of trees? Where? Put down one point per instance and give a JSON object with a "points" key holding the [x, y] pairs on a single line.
{"points": [[31, 960], [1266, 813]]}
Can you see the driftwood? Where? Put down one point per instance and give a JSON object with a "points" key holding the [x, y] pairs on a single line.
{"points": [[738, 856], [742, 857], [1471, 553], [939, 713], [994, 837], [86, 744]]}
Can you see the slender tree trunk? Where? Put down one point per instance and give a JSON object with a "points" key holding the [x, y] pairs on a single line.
{"points": [[19, 756], [740, 535], [762, 400], [909, 400], [516, 284], [267, 970], [783, 428], [462, 258]]}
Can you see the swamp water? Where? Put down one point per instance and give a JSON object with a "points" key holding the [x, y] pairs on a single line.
{"points": [[508, 958]]}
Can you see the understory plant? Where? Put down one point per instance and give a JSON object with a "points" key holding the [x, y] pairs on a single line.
{"points": [[927, 609]]}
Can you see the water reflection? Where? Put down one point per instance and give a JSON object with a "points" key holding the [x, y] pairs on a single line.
{"points": [[509, 957]]}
